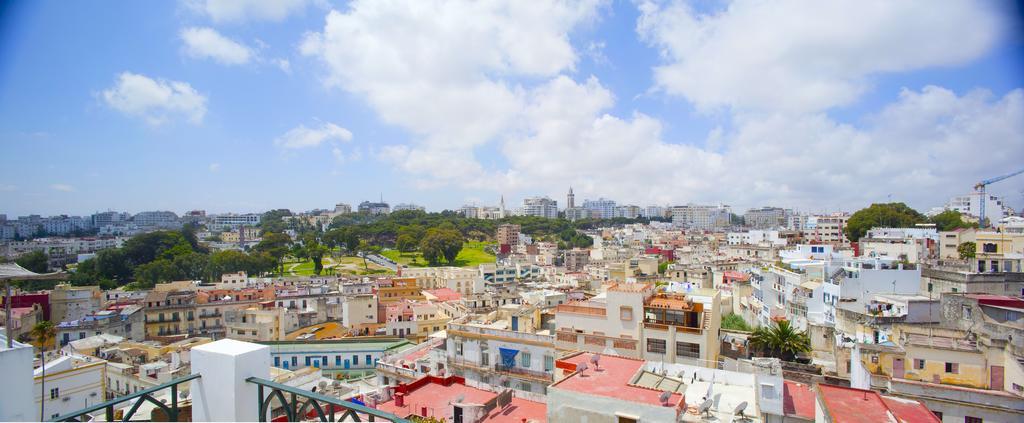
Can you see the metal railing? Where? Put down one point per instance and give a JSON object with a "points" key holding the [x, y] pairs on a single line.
{"points": [[301, 404], [140, 398]]}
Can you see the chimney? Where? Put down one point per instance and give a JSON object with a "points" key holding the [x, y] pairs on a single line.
{"points": [[399, 399]]}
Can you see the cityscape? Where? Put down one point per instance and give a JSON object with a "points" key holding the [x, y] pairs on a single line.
{"points": [[498, 211]]}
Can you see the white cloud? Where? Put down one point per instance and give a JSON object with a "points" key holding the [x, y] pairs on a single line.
{"points": [[912, 149], [807, 56], [214, 167], [208, 43], [284, 65], [441, 69], [157, 100], [62, 187], [303, 137], [246, 10], [8, 188]]}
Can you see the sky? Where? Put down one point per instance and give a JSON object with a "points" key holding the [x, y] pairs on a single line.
{"points": [[244, 106]]}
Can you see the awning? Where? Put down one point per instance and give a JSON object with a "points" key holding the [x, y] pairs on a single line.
{"points": [[508, 357], [13, 271]]}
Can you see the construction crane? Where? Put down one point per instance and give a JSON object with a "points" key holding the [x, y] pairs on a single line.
{"points": [[980, 187]]}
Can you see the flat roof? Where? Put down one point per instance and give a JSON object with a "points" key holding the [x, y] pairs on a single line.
{"points": [[860, 405], [798, 400], [612, 380], [438, 394]]}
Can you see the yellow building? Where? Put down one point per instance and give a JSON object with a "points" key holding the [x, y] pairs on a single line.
{"points": [[170, 313], [399, 289], [999, 252]]}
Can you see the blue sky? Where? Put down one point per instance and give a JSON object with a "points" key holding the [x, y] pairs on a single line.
{"points": [[443, 104]]}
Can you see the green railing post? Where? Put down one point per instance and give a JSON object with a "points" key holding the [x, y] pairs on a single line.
{"points": [[263, 410], [174, 404], [110, 413]]}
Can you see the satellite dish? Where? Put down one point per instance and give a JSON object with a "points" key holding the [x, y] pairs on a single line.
{"points": [[581, 367], [322, 385], [738, 411], [336, 384], [595, 359], [705, 407], [460, 398], [183, 394], [665, 397]]}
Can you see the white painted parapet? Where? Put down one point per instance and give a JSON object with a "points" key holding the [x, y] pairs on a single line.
{"points": [[222, 394], [16, 399]]}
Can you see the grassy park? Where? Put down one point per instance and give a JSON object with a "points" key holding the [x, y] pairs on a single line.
{"points": [[472, 254]]}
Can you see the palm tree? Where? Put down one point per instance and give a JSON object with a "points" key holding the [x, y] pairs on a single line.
{"points": [[43, 332], [781, 340]]}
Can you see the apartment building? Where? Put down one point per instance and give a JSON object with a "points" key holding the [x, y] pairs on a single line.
{"points": [[336, 358], [258, 325], [126, 321], [508, 238], [509, 352], [72, 383], [611, 321], [766, 217], [602, 208], [170, 313], [463, 281], [541, 207], [682, 328], [73, 302], [828, 229]]}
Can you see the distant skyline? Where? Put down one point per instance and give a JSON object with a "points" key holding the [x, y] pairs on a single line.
{"points": [[247, 106]]}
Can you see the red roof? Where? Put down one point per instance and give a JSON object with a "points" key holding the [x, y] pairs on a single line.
{"points": [[445, 294], [998, 300], [612, 379], [860, 405], [798, 400], [435, 395]]}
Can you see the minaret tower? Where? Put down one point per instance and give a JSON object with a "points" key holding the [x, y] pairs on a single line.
{"points": [[570, 200], [503, 215]]}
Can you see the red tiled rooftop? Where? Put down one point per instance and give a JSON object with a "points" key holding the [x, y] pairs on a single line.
{"points": [[610, 380], [445, 294], [437, 394], [798, 400], [997, 300], [859, 405], [909, 410]]}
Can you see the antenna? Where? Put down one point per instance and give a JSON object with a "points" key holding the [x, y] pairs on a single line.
{"points": [[740, 408], [705, 408], [665, 397]]}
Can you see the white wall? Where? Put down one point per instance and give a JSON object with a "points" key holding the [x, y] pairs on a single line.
{"points": [[16, 402]]}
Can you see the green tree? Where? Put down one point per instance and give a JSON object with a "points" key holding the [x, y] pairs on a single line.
{"points": [[950, 220], [780, 340], [35, 261], [966, 250], [150, 246], [316, 252], [275, 244], [156, 271], [192, 266], [733, 321], [441, 243], [43, 333], [891, 215], [406, 243]]}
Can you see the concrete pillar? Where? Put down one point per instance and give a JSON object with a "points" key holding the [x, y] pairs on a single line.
{"points": [[17, 402], [222, 394]]}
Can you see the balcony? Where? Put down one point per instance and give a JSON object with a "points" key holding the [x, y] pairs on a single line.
{"points": [[241, 394], [664, 325], [581, 309]]}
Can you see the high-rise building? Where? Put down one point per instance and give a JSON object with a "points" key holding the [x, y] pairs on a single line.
{"points": [[766, 217], [405, 206], [970, 204], [570, 200], [602, 207], [508, 237], [377, 208], [694, 216], [342, 208], [540, 206]]}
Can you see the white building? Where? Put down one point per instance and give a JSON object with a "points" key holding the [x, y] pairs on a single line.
{"points": [[701, 217], [601, 208], [71, 384], [970, 204], [540, 206]]}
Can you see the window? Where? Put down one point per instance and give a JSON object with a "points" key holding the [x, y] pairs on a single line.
{"points": [[970, 419], [656, 346], [524, 359], [369, 359], [277, 361], [965, 310], [549, 363], [687, 349], [625, 313], [874, 359], [323, 361], [458, 348], [918, 364], [938, 414], [355, 360], [952, 368], [988, 247], [337, 360], [295, 361], [54, 393]]}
